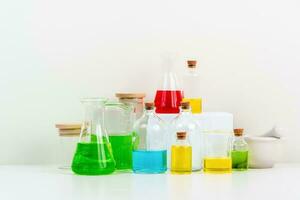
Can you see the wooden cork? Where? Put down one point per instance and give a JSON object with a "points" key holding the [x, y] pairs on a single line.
{"points": [[181, 135], [192, 63], [238, 131], [149, 105], [185, 105]]}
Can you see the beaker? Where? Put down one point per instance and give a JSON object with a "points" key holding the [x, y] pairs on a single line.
{"points": [[119, 119], [93, 154], [217, 145], [169, 95]]}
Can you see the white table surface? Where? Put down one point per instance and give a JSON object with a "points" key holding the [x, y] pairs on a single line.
{"points": [[49, 183]]}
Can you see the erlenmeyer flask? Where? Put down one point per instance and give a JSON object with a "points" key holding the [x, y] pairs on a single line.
{"points": [[93, 155], [169, 96]]}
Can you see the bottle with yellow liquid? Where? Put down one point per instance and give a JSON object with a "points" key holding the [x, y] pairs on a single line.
{"points": [[181, 155], [192, 87], [217, 157]]}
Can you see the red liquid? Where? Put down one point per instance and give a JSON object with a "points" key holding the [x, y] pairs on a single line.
{"points": [[167, 101]]}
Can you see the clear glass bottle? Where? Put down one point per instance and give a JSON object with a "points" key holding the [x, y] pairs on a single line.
{"points": [[181, 155], [239, 152], [150, 143], [169, 96], [185, 122], [93, 155], [191, 87]]}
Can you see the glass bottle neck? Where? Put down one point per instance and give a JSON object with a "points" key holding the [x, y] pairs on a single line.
{"points": [[239, 138], [182, 142], [185, 111]]}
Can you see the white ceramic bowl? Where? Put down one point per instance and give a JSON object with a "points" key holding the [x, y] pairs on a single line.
{"points": [[264, 152]]}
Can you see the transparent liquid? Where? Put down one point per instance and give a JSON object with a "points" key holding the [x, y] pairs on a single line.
{"points": [[239, 160], [181, 159], [122, 150], [168, 101], [217, 165], [93, 159], [149, 161]]}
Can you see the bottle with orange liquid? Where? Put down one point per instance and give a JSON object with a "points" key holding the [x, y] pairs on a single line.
{"points": [[169, 96]]}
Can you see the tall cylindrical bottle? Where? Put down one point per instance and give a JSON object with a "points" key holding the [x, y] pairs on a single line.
{"points": [[150, 143], [191, 87], [185, 122]]}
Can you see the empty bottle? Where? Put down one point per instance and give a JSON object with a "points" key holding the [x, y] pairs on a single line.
{"points": [[93, 155], [239, 153], [149, 147], [185, 122], [169, 96], [181, 155]]}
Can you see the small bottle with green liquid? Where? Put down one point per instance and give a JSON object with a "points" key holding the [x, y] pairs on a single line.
{"points": [[239, 152], [181, 155]]}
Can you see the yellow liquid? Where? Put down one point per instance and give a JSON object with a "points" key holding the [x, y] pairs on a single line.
{"points": [[196, 104], [181, 159], [217, 165]]}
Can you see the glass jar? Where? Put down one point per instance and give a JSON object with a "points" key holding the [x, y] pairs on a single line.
{"points": [[136, 100], [68, 138], [217, 148]]}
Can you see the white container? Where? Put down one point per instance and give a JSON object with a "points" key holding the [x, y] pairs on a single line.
{"points": [[264, 152]]}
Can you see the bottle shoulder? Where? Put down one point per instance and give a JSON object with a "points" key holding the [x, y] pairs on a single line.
{"points": [[240, 145]]}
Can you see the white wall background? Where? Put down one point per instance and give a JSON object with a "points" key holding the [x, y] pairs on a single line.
{"points": [[52, 52]]}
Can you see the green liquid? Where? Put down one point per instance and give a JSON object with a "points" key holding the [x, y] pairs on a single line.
{"points": [[239, 160], [122, 150], [93, 159]]}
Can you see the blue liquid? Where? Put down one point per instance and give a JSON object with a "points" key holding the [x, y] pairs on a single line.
{"points": [[149, 162]]}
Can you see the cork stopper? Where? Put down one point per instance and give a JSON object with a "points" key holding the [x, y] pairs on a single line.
{"points": [[192, 63], [149, 105], [185, 105], [181, 135], [238, 131]]}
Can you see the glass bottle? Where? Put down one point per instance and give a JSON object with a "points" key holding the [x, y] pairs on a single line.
{"points": [[150, 148], [119, 119], [169, 96], [181, 155], [93, 155], [185, 122], [239, 153], [191, 87]]}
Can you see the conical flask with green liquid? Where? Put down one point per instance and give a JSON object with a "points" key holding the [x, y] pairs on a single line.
{"points": [[93, 155]]}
